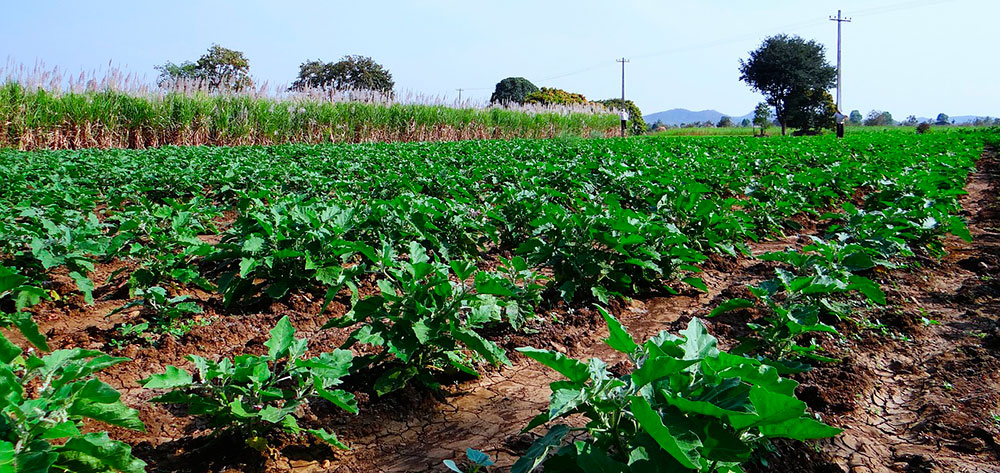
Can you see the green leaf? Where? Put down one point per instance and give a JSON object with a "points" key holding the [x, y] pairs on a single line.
{"points": [[484, 347], [114, 413], [8, 351], [394, 379], [253, 244], [731, 304], [282, 336], [489, 284], [477, 457], [329, 438], [329, 367], [339, 398], [771, 407], [804, 428], [61, 430], [572, 369], [869, 288], [172, 377], [684, 448], [96, 452], [540, 450], [618, 338], [658, 367], [85, 285], [696, 283], [698, 344]]}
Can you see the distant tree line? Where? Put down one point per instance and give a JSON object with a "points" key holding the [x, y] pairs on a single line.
{"points": [[224, 69]]}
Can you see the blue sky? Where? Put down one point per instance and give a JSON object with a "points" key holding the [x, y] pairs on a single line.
{"points": [[907, 57]]}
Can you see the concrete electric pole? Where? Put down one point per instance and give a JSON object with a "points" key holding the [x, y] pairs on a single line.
{"points": [[840, 19], [623, 113]]}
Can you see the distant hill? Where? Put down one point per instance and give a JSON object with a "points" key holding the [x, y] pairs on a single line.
{"points": [[678, 116]]}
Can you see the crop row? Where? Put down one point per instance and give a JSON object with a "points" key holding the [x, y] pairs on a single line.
{"points": [[402, 231]]}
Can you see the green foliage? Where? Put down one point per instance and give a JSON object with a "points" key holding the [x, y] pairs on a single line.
{"points": [[879, 118], [684, 406], [249, 395], [40, 427], [788, 71], [636, 125], [554, 96], [35, 119], [164, 314], [942, 120], [762, 117], [477, 461], [219, 69], [855, 118], [424, 318], [349, 73], [724, 122], [811, 111], [512, 90]]}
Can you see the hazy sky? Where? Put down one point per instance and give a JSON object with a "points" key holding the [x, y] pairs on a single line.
{"points": [[907, 57]]}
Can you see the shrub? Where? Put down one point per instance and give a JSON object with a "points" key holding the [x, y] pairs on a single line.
{"points": [[923, 128], [686, 406]]}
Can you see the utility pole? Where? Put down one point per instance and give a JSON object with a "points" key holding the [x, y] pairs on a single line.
{"points": [[623, 114], [459, 96], [840, 19]]}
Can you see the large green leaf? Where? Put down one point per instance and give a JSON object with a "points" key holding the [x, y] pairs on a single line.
{"points": [[96, 453], [568, 367], [683, 447], [282, 336], [172, 377], [618, 338], [540, 450], [803, 428]]}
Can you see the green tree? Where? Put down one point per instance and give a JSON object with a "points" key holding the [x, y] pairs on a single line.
{"points": [[942, 119], [811, 110], [785, 69], [856, 118], [512, 90], [636, 125], [762, 117], [218, 69], [745, 123], [879, 118], [910, 121], [554, 96], [350, 73], [724, 122]]}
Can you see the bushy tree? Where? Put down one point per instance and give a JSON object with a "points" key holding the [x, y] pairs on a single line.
{"points": [[636, 124], [724, 122], [856, 118], [762, 117], [910, 121], [786, 69], [942, 120], [745, 123], [554, 96], [349, 73], [218, 69], [811, 111], [512, 90], [879, 118]]}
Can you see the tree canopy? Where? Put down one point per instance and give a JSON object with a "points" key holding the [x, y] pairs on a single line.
{"points": [[553, 96], [856, 118], [636, 125], [788, 71], [350, 72], [762, 116], [942, 119], [218, 69], [512, 90]]}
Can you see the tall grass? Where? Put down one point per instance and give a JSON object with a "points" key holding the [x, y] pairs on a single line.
{"points": [[44, 110]]}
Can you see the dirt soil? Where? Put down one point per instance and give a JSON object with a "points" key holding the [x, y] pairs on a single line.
{"points": [[917, 390]]}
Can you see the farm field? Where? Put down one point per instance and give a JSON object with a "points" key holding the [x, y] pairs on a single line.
{"points": [[369, 307]]}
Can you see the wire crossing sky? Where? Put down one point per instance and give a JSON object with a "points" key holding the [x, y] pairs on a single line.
{"points": [[919, 57]]}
